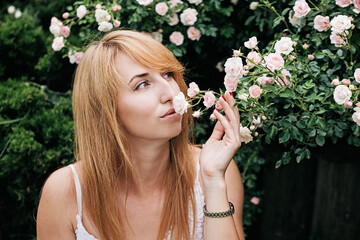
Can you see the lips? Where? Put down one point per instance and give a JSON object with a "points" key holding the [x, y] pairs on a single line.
{"points": [[169, 112]]}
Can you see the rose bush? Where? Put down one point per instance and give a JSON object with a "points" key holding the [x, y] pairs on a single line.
{"points": [[304, 85], [172, 22]]}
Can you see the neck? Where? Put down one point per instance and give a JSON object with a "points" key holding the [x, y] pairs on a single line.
{"points": [[151, 161]]}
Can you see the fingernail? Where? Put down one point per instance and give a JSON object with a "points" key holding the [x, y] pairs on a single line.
{"points": [[217, 109], [231, 94], [223, 97]]}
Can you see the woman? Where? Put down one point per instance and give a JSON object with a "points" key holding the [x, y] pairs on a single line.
{"points": [[137, 176]]}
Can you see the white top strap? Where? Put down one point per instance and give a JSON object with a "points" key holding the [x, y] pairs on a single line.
{"points": [[78, 189]]}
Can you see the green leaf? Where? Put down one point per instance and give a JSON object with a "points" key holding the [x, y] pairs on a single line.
{"points": [[273, 131], [284, 136], [278, 164], [320, 140]]}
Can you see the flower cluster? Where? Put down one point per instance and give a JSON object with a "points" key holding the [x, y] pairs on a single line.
{"points": [[172, 22], [291, 88], [12, 10]]}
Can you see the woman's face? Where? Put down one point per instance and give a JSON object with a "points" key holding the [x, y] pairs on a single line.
{"points": [[145, 101]]}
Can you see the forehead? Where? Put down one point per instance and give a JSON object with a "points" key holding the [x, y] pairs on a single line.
{"points": [[128, 68]]}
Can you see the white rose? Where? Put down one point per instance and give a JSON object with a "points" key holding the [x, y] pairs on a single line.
{"points": [[174, 19], [81, 11], [188, 17], [342, 94], [18, 14], [144, 2], [245, 135], [101, 15], [234, 67], [284, 46], [253, 5], [251, 43], [196, 2], [356, 117], [180, 103], [58, 43], [340, 23], [301, 8], [105, 26], [157, 36], [11, 9], [71, 56], [295, 21], [243, 97], [55, 30]]}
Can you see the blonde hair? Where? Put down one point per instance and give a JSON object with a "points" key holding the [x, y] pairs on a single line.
{"points": [[100, 139]]}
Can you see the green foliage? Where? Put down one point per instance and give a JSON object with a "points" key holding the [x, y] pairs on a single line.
{"points": [[36, 139]]}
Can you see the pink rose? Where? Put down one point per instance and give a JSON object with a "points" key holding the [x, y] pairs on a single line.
{"points": [[357, 75], [337, 40], [346, 81], [236, 53], [174, 19], [234, 67], [174, 4], [65, 31], [193, 33], [348, 104], [343, 3], [311, 57], [358, 104], [263, 80], [230, 83], [65, 15], [335, 82], [292, 58], [252, 43], [196, 114], [193, 90], [284, 81], [116, 23], [189, 16], [305, 46], [209, 99], [357, 4], [255, 200], [356, 117], [274, 61], [58, 43], [351, 87], [301, 8], [81, 11], [78, 56], [161, 8], [255, 57], [177, 38], [180, 103], [321, 23], [255, 91]]}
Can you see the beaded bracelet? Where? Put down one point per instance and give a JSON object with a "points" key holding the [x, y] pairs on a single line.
{"points": [[220, 214]]}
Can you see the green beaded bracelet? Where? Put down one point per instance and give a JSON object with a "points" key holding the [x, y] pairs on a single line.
{"points": [[220, 214]]}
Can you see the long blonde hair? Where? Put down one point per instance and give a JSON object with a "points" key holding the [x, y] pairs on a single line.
{"points": [[100, 139]]}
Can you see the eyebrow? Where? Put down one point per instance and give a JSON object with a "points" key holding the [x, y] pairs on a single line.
{"points": [[139, 76]]}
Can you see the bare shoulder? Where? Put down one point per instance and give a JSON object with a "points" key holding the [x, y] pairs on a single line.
{"points": [[57, 207]]}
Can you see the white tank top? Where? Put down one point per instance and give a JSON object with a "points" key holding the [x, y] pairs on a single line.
{"points": [[82, 234]]}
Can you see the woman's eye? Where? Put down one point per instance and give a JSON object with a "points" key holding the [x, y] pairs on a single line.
{"points": [[168, 75], [142, 85]]}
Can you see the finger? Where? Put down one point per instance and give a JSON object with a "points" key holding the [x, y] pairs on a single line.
{"points": [[218, 130], [231, 100], [228, 111], [229, 130]]}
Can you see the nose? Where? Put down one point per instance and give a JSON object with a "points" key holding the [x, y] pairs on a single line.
{"points": [[168, 89]]}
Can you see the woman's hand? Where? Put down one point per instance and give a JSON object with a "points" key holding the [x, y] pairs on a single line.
{"points": [[223, 143]]}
